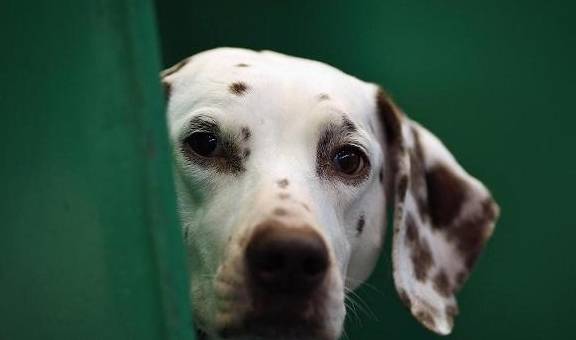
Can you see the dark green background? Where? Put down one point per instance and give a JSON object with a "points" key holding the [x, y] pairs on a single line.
{"points": [[496, 80], [89, 236]]}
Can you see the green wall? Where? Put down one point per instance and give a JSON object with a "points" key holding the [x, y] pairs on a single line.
{"points": [[495, 80], [89, 238]]}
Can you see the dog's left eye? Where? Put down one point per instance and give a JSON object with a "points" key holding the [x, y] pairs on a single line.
{"points": [[202, 143], [349, 160]]}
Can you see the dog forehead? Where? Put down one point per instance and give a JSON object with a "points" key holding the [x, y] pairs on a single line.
{"points": [[267, 82]]}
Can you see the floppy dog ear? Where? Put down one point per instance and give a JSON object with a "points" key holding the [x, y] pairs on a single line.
{"points": [[165, 75], [443, 218]]}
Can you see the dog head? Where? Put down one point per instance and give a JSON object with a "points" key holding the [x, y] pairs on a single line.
{"points": [[283, 169]]}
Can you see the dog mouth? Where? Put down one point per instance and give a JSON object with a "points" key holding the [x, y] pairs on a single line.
{"points": [[284, 327], [285, 319]]}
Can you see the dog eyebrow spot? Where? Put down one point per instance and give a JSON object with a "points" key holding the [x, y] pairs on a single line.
{"points": [[283, 183], [283, 195], [360, 225], [246, 134], [322, 97], [349, 127], [242, 65], [238, 88]]}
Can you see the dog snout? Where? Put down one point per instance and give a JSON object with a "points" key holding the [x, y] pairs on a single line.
{"points": [[282, 260]]}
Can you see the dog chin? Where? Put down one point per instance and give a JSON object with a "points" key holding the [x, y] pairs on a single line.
{"points": [[288, 326]]}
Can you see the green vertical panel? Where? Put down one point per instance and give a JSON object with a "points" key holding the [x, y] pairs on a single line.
{"points": [[495, 80], [89, 241]]}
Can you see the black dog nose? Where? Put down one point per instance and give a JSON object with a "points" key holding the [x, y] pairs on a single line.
{"points": [[284, 260]]}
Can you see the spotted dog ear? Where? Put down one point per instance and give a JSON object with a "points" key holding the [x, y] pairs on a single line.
{"points": [[165, 75], [443, 218]]}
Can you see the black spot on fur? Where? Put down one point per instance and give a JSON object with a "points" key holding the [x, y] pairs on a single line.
{"points": [[402, 187], [323, 96], [446, 194], [420, 252], [238, 88], [167, 89], [280, 212], [283, 183], [360, 225], [390, 118], [418, 180], [242, 65]]}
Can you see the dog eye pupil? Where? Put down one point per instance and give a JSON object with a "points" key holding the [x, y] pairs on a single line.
{"points": [[202, 143], [348, 161]]}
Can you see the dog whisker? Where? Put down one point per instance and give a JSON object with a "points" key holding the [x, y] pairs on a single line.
{"points": [[361, 305]]}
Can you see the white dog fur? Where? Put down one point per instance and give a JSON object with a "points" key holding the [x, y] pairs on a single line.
{"points": [[281, 120]]}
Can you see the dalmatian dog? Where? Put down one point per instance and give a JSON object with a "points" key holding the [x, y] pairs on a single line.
{"points": [[284, 168]]}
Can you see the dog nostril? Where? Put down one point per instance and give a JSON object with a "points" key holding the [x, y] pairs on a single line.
{"points": [[284, 260], [314, 265]]}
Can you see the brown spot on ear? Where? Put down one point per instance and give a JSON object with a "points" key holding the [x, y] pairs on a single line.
{"points": [[391, 121], [451, 310], [402, 188], [460, 279], [422, 260], [426, 318], [390, 117], [238, 88], [442, 284], [283, 183], [418, 176], [242, 65], [411, 230], [420, 253], [360, 225], [404, 298], [323, 96], [471, 233], [280, 212], [446, 193]]}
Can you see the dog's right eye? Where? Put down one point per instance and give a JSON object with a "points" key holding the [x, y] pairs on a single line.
{"points": [[202, 143]]}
